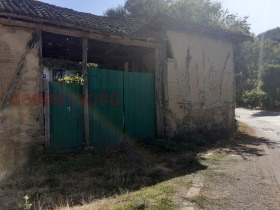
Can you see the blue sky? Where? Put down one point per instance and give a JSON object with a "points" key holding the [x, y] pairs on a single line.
{"points": [[263, 14]]}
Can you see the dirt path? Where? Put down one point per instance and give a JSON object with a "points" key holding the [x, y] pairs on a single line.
{"points": [[267, 126], [253, 181]]}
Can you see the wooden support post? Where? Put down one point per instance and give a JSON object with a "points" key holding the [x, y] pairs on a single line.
{"points": [[46, 109], [40, 75], [158, 92], [164, 76], [85, 92], [126, 66]]}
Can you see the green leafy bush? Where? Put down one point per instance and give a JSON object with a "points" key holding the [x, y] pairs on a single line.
{"points": [[254, 98], [271, 84], [72, 79]]}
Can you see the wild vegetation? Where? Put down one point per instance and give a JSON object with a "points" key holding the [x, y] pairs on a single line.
{"points": [[258, 73]]}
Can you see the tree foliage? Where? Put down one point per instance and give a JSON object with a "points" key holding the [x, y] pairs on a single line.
{"points": [[199, 11], [273, 34], [271, 84], [253, 61]]}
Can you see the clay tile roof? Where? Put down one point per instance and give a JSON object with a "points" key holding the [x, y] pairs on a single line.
{"points": [[40, 10]]}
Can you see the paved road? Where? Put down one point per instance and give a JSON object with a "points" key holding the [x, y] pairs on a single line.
{"points": [[266, 125]]}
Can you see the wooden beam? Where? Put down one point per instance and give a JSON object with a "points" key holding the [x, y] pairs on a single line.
{"points": [[164, 76], [85, 93], [79, 33], [47, 117], [40, 75], [18, 71], [158, 92]]}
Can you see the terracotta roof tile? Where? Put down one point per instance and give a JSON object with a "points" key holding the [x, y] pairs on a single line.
{"points": [[46, 11]]}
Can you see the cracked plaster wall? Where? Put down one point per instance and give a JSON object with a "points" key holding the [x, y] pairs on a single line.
{"points": [[19, 124], [13, 42], [200, 84]]}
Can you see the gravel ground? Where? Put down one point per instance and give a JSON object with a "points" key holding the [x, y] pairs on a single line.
{"points": [[253, 180]]}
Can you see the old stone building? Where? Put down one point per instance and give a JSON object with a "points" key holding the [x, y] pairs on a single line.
{"points": [[192, 66]]}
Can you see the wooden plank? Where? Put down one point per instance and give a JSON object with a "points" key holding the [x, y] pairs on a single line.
{"points": [[96, 113], [112, 109], [150, 103], [142, 106], [47, 118], [104, 109], [119, 108], [133, 94], [158, 92], [80, 109], [138, 105], [127, 106], [90, 106], [85, 92], [164, 76], [40, 75]]}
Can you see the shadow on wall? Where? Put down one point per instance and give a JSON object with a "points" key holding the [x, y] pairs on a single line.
{"points": [[73, 179]]}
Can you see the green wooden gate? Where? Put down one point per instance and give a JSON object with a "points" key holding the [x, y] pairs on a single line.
{"points": [[119, 100], [120, 104], [66, 117], [105, 107], [139, 103]]}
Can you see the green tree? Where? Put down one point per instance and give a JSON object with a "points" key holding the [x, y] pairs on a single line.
{"points": [[247, 72], [271, 84], [251, 61], [199, 11], [118, 11], [144, 9], [273, 34]]}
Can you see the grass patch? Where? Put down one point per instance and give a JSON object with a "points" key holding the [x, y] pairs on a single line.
{"points": [[213, 159], [200, 201], [213, 175], [156, 197], [78, 178], [6, 163], [126, 176]]}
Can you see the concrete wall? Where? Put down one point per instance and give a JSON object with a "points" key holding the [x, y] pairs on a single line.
{"points": [[200, 84]]}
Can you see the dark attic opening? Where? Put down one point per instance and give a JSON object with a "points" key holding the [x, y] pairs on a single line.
{"points": [[62, 55]]}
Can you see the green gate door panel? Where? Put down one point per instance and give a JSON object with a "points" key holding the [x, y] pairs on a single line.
{"points": [[106, 107], [139, 103], [66, 117]]}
